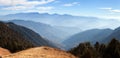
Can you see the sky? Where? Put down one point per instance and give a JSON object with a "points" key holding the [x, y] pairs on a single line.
{"points": [[95, 8]]}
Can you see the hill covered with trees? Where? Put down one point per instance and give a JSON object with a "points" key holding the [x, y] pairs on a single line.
{"points": [[16, 38], [86, 50], [12, 40]]}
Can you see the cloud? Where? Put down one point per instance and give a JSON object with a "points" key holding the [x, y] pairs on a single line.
{"points": [[17, 8], [24, 2], [57, 1], [71, 4], [115, 11], [41, 9], [45, 8], [26, 5], [105, 8], [111, 10]]}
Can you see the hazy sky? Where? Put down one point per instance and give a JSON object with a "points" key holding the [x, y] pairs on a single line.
{"points": [[96, 8]]}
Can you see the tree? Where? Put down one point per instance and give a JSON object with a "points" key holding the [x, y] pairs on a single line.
{"points": [[113, 49], [97, 46]]}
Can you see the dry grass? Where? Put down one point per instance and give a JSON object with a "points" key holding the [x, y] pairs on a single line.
{"points": [[41, 52], [4, 52]]}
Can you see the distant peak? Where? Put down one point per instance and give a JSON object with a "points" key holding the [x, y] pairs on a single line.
{"points": [[34, 12], [29, 13]]}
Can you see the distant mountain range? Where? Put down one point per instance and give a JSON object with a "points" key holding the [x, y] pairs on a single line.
{"points": [[82, 22], [63, 28], [15, 38], [93, 36]]}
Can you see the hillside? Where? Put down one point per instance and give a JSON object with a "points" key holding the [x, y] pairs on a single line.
{"points": [[16, 38], [31, 36], [11, 40], [41, 52], [87, 36], [46, 31], [114, 34], [86, 50]]}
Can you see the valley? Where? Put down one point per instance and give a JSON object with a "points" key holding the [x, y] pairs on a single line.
{"points": [[19, 39]]}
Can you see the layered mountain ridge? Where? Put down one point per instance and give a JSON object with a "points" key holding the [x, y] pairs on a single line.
{"points": [[16, 38], [94, 35], [12, 40], [46, 31], [64, 20]]}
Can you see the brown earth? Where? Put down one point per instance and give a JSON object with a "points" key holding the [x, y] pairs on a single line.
{"points": [[4, 51], [41, 52]]}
